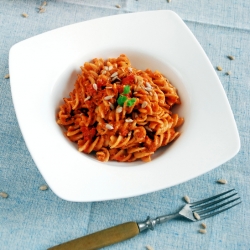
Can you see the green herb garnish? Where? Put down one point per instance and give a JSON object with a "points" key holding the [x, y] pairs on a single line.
{"points": [[131, 102], [121, 99], [126, 89]]}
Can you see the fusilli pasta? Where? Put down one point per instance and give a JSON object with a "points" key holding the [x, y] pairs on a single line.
{"points": [[120, 112]]}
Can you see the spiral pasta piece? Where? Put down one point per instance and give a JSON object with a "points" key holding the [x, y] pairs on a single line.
{"points": [[119, 112]]}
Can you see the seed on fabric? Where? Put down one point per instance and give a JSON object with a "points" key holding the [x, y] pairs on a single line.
{"points": [[128, 120], [231, 57], [43, 187], [219, 68], [109, 127], [3, 195], [95, 86], [118, 6], [203, 231], [169, 1], [203, 225], [229, 73], [197, 216], [222, 181], [42, 10], [186, 198], [119, 110], [149, 248], [144, 105], [44, 3], [106, 98], [7, 76], [25, 15], [87, 98]]}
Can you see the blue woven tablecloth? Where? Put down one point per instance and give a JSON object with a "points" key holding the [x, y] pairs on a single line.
{"points": [[35, 219]]}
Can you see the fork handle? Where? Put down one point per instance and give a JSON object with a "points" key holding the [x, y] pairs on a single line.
{"points": [[102, 238]]}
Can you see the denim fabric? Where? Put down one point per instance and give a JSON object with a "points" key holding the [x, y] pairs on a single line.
{"points": [[35, 220]]}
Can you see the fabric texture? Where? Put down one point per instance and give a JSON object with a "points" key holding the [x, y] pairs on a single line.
{"points": [[36, 220]]}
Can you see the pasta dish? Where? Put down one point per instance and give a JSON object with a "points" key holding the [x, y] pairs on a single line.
{"points": [[119, 112]]}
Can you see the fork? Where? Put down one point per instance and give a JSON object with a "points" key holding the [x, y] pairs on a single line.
{"points": [[195, 211]]}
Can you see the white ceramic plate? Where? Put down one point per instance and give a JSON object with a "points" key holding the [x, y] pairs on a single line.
{"points": [[43, 70]]}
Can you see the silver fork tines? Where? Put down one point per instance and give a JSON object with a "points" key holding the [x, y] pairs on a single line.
{"points": [[204, 213], [195, 211]]}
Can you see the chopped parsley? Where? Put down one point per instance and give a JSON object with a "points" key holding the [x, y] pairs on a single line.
{"points": [[126, 89], [122, 99], [131, 102]]}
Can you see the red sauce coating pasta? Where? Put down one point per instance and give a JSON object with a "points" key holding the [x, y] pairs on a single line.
{"points": [[120, 112]]}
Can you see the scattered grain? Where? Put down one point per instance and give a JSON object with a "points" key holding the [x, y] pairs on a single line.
{"points": [[231, 57], [118, 6], [219, 68], [109, 127], [25, 15], [203, 231], [186, 198], [144, 105], [204, 225], [169, 1], [229, 73], [111, 106], [44, 3], [3, 195], [197, 216], [43, 187], [95, 86], [222, 181], [118, 109], [149, 248], [7, 76], [115, 78], [114, 74], [42, 10], [106, 98], [148, 128], [129, 120], [148, 89], [87, 98]]}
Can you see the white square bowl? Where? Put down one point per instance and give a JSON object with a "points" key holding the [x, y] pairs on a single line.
{"points": [[43, 70]]}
